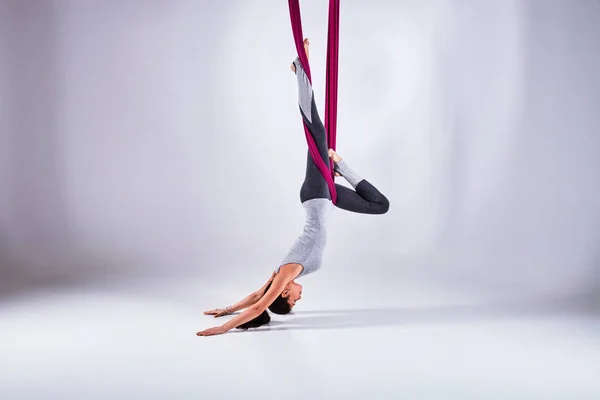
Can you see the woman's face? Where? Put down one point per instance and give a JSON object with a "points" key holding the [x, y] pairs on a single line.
{"points": [[292, 292]]}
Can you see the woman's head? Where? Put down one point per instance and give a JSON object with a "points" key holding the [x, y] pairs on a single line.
{"points": [[282, 305], [291, 293]]}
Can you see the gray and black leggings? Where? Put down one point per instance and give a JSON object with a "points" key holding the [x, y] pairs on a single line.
{"points": [[365, 198]]}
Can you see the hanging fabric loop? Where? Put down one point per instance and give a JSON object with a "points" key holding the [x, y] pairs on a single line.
{"points": [[331, 90]]}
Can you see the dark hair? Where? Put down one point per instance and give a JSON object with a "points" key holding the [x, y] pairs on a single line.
{"points": [[279, 306]]}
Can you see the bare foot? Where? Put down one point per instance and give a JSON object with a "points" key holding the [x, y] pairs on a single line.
{"points": [[306, 49], [334, 156], [336, 159]]}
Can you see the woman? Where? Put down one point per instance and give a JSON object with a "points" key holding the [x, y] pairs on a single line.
{"points": [[281, 292]]}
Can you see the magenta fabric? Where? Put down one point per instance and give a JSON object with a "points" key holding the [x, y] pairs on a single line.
{"points": [[331, 77], [331, 82]]}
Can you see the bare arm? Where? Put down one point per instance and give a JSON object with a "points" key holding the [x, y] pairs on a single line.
{"points": [[249, 300], [240, 305], [245, 303], [252, 298], [261, 305], [277, 286]]}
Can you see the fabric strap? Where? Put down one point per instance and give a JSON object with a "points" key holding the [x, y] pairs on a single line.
{"points": [[331, 89]]}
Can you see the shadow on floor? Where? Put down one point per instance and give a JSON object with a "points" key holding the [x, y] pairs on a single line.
{"points": [[386, 317]]}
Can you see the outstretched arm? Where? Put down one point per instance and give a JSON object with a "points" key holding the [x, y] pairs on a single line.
{"points": [[277, 286], [249, 300]]}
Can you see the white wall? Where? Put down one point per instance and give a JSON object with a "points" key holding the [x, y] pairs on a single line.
{"points": [[154, 137]]}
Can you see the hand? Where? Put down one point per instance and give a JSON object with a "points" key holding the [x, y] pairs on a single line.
{"points": [[217, 330], [219, 312]]}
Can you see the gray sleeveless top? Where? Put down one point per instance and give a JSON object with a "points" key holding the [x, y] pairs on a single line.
{"points": [[310, 245]]}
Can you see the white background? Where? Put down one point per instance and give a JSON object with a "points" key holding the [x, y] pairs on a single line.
{"points": [[152, 142]]}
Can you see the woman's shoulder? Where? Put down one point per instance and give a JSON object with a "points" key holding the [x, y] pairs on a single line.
{"points": [[290, 270]]}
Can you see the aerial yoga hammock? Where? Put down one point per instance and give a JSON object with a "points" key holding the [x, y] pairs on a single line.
{"points": [[321, 168], [318, 193], [331, 88]]}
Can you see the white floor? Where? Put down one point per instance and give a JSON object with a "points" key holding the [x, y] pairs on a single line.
{"points": [[142, 345]]}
